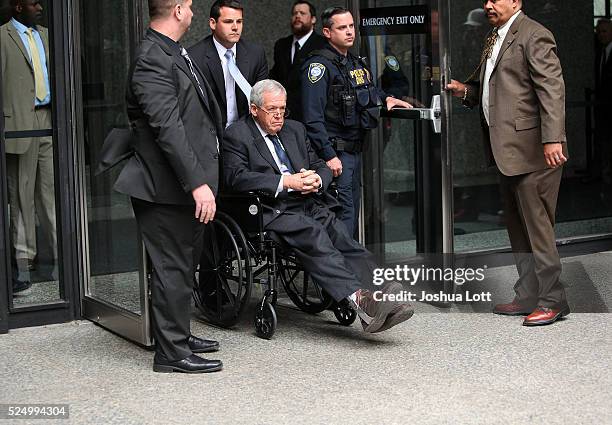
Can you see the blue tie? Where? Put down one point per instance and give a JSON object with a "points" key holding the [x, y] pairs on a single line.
{"points": [[244, 85], [280, 152]]}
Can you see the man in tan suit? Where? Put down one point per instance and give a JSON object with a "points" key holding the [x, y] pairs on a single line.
{"points": [[519, 86], [27, 106]]}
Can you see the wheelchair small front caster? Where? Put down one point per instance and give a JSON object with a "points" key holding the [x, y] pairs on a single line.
{"points": [[344, 313], [265, 320]]}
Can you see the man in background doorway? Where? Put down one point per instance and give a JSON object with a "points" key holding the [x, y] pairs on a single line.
{"points": [[519, 86], [230, 64], [603, 102], [26, 92], [291, 51]]}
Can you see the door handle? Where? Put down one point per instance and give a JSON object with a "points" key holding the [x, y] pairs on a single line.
{"points": [[433, 114]]}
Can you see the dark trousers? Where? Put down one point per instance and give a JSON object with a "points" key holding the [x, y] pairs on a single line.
{"points": [[322, 244], [172, 238], [349, 190], [530, 202]]}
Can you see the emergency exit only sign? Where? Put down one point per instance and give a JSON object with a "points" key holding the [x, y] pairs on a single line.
{"points": [[394, 20]]}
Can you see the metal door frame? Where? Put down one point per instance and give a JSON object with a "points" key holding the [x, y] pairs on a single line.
{"points": [[438, 231], [67, 308], [135, 327]]}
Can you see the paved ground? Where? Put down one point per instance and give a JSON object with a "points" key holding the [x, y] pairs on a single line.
{"points": [[438, 368], [458, 366]]}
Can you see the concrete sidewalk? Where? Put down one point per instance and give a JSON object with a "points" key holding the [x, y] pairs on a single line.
{"points": [[461, 365], [437, 368]]}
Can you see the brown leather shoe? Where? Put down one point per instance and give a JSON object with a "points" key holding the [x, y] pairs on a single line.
{"points": [[545, 316], [512, 309]]}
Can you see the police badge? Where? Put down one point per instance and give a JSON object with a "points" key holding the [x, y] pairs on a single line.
{"points": [[392, 62], [315, 72]]}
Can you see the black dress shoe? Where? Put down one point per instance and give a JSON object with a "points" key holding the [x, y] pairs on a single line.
{"points": [[21, 287], [191, 364], [199, 345]]}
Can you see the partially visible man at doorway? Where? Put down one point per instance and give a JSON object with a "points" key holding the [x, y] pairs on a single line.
{"points": [[26, 93], [231, 64], [291, 51], [340, 103], [174, 171], [603, 103], [519, 86]]}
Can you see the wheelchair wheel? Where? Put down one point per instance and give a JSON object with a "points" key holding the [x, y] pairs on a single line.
{"points": [[225, 276], [265, 321], [301, 290], [345, 314]]}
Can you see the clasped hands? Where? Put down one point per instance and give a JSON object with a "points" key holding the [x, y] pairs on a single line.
{"points": [[305, 182]]}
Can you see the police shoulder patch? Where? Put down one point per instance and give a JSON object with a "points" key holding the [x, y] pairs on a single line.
{"points": [[392, 62], [316, 71]]}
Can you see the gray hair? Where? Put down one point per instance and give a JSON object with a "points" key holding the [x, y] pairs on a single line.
{"points": [[265, 86]]}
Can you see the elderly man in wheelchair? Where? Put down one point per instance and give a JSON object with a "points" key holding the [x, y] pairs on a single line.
{"points": [[275, 188]]}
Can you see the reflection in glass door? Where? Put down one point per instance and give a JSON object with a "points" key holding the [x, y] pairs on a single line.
{"points": [[30, 151], [406, 210], [584, 207], [115, 294]]}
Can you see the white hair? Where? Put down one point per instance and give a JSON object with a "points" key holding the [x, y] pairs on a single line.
{"points": [[265, 86]]}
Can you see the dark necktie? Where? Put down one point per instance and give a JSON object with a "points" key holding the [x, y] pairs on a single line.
{"points": [[604, 60], [280, 152], [297, 49], [185, 55], [487, 51]]}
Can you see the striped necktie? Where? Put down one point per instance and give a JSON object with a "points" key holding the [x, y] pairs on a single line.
{"points": [[282, 155]]}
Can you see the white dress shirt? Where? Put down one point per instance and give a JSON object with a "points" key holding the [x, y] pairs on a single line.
{"points": [[283, 169], [301, 42], [501, 36], [230, 84]]}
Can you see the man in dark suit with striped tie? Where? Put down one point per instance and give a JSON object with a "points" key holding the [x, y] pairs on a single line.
{"points": [[172, 178]]}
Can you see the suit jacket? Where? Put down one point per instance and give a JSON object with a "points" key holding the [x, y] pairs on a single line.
{"points": [[287, 73], [175, 128], [248, 165], [18, 85], [526, 99], [251, 61], [603, 95], [603, 80]]}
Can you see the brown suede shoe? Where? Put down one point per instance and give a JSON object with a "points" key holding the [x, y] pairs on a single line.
{"points": [[399, 314], [372, 313], [545, 316], [512, 309]]}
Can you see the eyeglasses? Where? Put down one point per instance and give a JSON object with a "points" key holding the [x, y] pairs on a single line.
{"points": [[276, 112]]}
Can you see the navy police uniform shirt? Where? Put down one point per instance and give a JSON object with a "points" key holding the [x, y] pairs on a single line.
{"points": [[322, 110]]}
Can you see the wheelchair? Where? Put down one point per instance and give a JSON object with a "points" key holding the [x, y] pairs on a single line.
{"points": [[239, 253]]}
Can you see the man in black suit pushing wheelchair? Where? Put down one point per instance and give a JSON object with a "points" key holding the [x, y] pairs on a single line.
{"points": [[267, 154]]}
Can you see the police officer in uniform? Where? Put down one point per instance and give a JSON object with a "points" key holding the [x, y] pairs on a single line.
{"points": [[340, 103]]}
